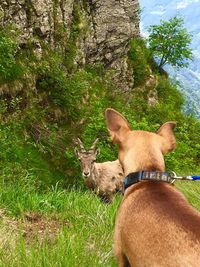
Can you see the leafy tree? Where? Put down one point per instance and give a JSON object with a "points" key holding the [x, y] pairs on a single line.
{"points": [[170, 42]]}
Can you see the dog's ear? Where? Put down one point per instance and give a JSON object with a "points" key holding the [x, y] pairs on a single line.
{"points": [[116, 124], [169, 140]]}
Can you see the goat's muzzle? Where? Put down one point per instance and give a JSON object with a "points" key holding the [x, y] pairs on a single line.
{"points": [[86, 174]]}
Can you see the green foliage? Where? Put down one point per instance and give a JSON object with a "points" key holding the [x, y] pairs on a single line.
{"points": [[10, 69], [21, 158], [170, 42], [187, 147], [139, 58], [168, 93]]}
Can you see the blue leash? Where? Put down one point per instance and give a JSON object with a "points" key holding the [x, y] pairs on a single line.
{"points": [[195, 177], [189, 178]]}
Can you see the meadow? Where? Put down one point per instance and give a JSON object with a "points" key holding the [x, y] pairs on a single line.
{"points": [[55, 228]]}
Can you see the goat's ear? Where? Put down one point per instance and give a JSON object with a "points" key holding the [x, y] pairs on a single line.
{"points": [[97, 152], [169, 140], [116, 124], [77, 152]]}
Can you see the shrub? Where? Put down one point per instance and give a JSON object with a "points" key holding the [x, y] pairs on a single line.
{"points": [[10, 69], [139, 58]]}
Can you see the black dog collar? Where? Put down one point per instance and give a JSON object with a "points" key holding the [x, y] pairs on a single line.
{"points": [[136, 177]]}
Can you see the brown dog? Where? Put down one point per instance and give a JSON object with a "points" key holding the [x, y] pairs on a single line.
{"points": [[155, 225]]}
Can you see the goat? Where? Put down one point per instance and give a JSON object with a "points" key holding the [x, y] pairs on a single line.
{"points": [[103, 178], [155, 225]]}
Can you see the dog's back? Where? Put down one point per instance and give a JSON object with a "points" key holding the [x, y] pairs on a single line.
{"points": [[155, 225]]}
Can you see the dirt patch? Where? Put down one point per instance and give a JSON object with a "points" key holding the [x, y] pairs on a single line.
{"points": [[33, 227], [41, 228]]}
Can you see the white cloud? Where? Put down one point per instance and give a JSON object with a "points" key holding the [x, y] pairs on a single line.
{"points": [[145, 34], [185, 3], [182, 5], [157, 12]]}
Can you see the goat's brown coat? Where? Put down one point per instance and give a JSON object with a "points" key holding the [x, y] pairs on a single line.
{"points": [[155, 225], [105, 178]]}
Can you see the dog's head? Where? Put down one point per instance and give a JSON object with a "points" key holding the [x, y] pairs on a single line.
{"points": [[140, 150]]}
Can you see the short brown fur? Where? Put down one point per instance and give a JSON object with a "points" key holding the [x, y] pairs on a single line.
{"points": [[155, 225]]}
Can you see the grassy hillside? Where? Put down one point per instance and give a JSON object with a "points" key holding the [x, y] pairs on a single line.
{"points": [[48, 218]]}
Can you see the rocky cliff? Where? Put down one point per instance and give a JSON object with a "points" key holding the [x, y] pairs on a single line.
{"points": [[99, 31]]}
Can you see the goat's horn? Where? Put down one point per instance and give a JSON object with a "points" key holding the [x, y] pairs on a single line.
{"points": [[79, 142], [94, 144]]}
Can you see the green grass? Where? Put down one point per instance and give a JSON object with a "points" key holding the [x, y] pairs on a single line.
{"points": [[192, 192], [85, 233]]}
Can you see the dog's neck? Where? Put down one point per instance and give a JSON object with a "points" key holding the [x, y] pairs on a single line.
{"points": [[131, 166]]}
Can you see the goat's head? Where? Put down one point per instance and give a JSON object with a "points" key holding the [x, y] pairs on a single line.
{"points": [[140, 150], [86, 157]]}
